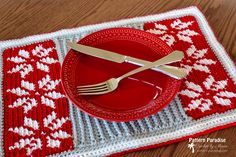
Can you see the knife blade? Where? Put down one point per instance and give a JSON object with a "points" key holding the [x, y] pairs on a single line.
{"points": [[172, 71]]}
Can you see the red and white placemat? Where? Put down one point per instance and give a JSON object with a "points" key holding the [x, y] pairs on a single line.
{"points": [[38, 120]]}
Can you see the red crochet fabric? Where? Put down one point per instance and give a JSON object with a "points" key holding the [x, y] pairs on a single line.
{"points": [[207, 89], [36, 111]]}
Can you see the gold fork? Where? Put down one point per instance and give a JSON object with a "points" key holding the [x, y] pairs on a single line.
{"points": [[111, 84]]}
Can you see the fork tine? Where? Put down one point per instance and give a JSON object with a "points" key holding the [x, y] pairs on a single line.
{"points": [[95, 93], [93, 89], [92, 85]]}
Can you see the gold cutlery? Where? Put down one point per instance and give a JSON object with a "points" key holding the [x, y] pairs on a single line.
{"points": [[111, 84], [172, 71]]}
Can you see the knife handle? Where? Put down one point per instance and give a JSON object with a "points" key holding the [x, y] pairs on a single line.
{"points": [[172, 71]]}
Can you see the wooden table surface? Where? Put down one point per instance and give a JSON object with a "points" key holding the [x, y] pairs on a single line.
{"points": [[27, 17]]}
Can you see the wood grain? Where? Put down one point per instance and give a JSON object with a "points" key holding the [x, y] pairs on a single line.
{"points": [[27, 17]]}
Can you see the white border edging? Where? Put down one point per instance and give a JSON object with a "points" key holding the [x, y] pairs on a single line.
{"points": [[139, 141]]}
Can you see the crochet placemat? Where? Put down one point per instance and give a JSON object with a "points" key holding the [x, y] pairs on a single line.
{"points": [[38, 120]]}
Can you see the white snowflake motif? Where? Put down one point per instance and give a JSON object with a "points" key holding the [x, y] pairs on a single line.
{"points": [[196, 60], [28, 131], [22, 66], [46, 84], [53, 123], [26, 93], [27, 141], [203, 97], [176, 30], [24, 60]]}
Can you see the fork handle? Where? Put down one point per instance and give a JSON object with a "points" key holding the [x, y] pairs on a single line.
{"points": [[172, 71], [172, 57]]}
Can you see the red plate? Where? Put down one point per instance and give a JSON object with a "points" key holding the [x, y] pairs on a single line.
{"points": [[136, 97]]}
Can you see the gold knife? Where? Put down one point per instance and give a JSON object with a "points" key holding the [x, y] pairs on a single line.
{"points": [[172, 71]]}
